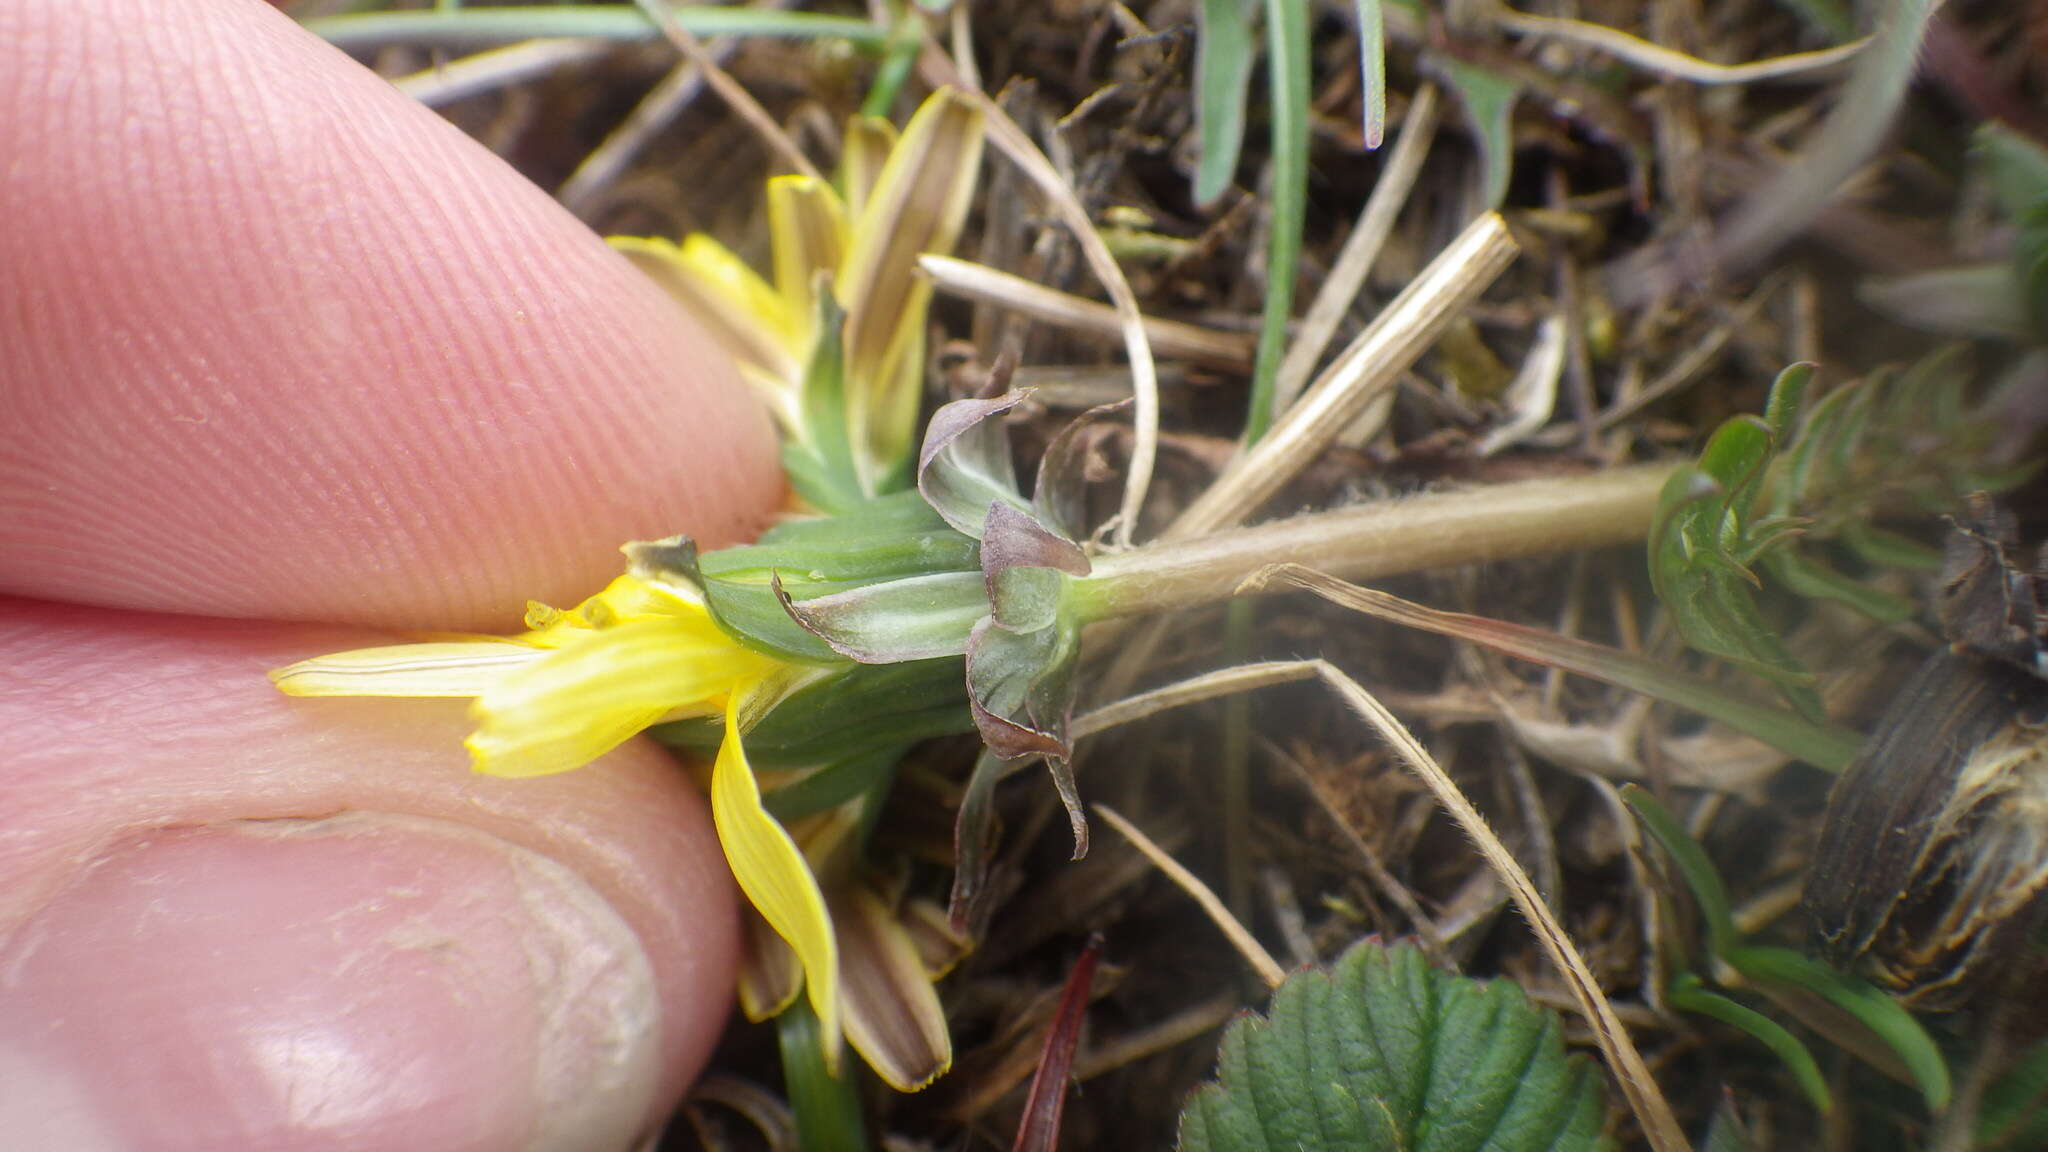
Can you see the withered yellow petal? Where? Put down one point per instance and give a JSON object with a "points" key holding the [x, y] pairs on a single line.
{"points": [[770, 976], [585, 698], [917, 205], [445, 668], [869, 140], [739, 309], [940, 946], [777, 881], [807, 232], [893, 1017]]}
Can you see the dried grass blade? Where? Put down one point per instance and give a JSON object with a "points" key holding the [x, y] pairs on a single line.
{"points": [[1240, 937], [730, 90], [1355, 260], [1677, 65], [497, 68], [979, 282], [1651, 1110], [1371, 364], [1047, 1100], [1825, 746], [1193, 690]]}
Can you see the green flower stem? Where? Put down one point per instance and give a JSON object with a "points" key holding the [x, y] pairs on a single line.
{"points": [[827, 1108], [468, 26], [1385, 538]]}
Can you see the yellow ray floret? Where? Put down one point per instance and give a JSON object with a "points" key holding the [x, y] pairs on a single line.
{"points": [[777, 880]]}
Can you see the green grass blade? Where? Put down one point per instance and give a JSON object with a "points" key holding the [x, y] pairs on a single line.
{"points": [[828, 1117], [469, 26], [1223, 76], [1687, 994], [1372, 70], [1693, 866], [1489, 101], [1782, 969], [1287, 61]]}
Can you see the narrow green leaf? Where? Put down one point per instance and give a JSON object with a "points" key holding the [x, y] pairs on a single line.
{"points": [[827, 1108], [1287, 66], [1223, 76], [1383, 1052], [1687, 994], [1489, 101], [1372, 69], [1697, 871], [1817, 581], [820, 461], [1776, 970]]}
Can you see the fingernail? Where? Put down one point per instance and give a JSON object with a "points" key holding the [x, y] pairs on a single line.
{"points": [[359, 981]]}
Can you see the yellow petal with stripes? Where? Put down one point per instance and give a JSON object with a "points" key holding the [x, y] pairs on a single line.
{"points": [[444, 668], [584, 699], [771, 870]]}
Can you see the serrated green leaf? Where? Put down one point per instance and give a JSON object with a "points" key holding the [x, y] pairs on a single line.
{"points": [[1381, 1051], [1817, 581]]}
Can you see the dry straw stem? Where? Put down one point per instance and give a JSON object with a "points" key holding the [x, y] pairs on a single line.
{"points": [[1015, 143], [1354, 262], [1400, 334], [499, 68], [1170, 338], [730, 90], [1677, 65], [1387, 538], [1241, 938], [1194, 690], [1644, 1098]]}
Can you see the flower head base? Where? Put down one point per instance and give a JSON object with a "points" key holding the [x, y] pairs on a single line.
{"points": [[836, 342]]}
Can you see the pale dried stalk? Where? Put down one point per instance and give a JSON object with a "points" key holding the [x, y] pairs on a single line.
{"points": [[979, 282], [498, 68], [1667, 62], [1386, 538], [1194, 690], [1255, 954], [1015, 143], [655, 112], [1644, 1098], [730, 90], [1175, 1030], [1361, 248], [1396, 338]]}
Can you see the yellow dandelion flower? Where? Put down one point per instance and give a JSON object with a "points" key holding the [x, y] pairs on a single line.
{"points": [[645, 650]]}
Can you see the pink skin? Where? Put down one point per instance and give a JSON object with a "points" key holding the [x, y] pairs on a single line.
{"points": [[276, 344]]}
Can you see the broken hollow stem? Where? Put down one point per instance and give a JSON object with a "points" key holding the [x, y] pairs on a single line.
{"points": [[1384, 538]]}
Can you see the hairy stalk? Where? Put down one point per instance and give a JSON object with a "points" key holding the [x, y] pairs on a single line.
{"points": [[1433, 530]]}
